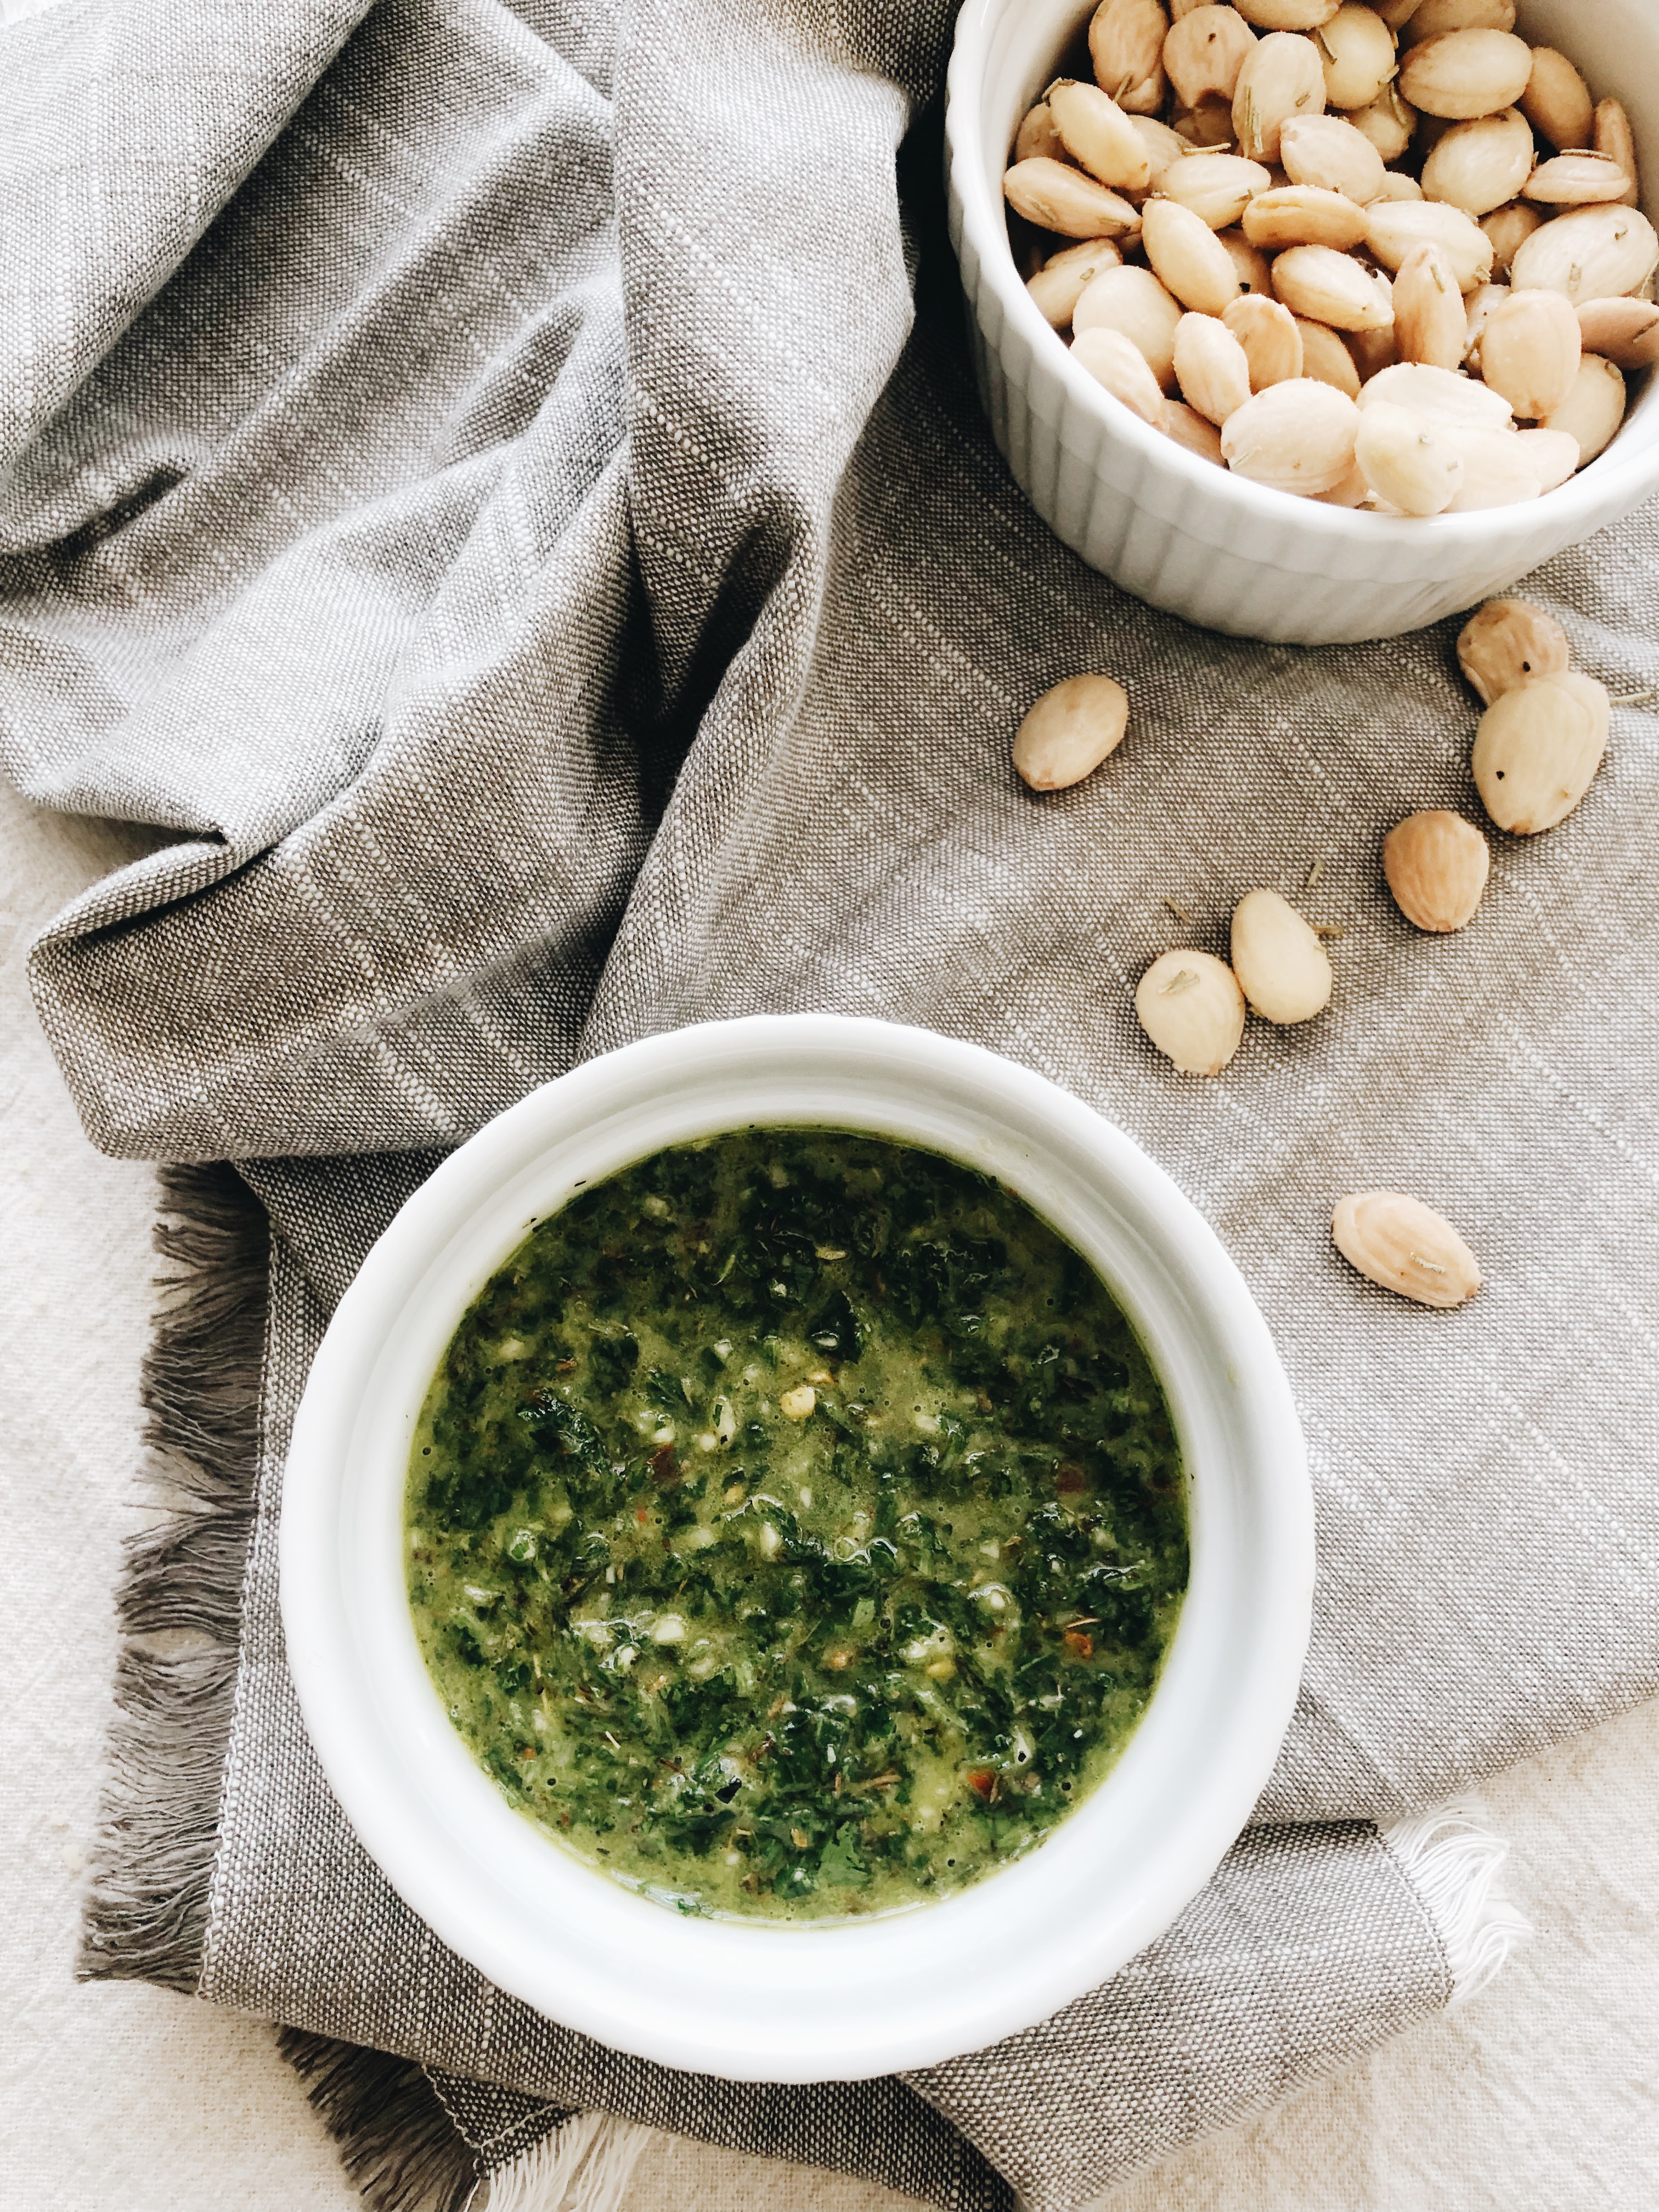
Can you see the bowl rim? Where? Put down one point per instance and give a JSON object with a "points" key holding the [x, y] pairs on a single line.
{"points": [[1578, 505], [865, 2024]]}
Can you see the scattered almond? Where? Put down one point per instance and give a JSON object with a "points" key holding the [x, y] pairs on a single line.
{"points": [[1282, 969], [1402, 1245], [1191, 1007], [1437, 866], [1537, 751], [1070, 732], [1508, 642]]}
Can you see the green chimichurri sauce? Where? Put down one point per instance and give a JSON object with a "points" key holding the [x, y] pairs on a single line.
{"points": [[796, 1527]]}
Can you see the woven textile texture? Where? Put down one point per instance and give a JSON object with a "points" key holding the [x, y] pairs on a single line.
{"points": [[501, 490]]}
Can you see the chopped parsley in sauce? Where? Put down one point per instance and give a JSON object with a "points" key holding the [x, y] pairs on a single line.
{"points": [[796, 1526]]}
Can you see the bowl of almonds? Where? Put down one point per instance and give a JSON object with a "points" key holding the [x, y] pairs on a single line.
{"points": [[1310, 320]]}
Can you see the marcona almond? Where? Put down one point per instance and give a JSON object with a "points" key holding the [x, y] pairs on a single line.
{"points": [[1325, 150], [1356, 48], [1592, 253], [1288, 15], [1464, 74], [1396, 186], [1188, 428], [1395, 227], [1406, 1247], [1191, 1007], [1396, 14], [1038, 138], [1211, 367], [1272, 342], [1372, 351], [1187, 258], [1126, 46], [1281, 78], [1204, 53], [1578, 180], [1552, 455], [1070, 730], [1098, 134], [1593, 411], [1509, 228], [1303, 214], [1055, 197], [1064, 276], [1507, 642], [1389, 122], [1530, 350], [1164, 147], [1437, 866], [1498, 471], [1134, 303], [1556, 101], [1482, 164], [1537, 751], [1280, 963], [1482, 306], [1250, 265], [1624, 332], [1429, 321], [1326, 359], [1436, 17], [1216, 187], [1298, 437], [1111, 359], [1414, 465], [1611, 135], [1353, 491], [1331, 288]]}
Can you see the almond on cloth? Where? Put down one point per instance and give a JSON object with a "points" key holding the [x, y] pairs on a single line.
{"points": [[1406, 1247]]}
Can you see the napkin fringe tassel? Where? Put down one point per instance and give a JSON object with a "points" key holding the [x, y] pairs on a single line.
{"points": [[397, 2143], [583, 2167], [179, 1601], [1455, 1862]]}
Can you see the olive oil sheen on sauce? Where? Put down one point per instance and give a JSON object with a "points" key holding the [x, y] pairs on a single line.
{"points": [[796, 1527]]}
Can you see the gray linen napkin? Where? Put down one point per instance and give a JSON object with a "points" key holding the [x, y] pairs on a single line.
{"points": [[502, 525]]}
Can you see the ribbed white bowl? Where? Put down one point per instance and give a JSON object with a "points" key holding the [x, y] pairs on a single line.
{"points": [[1176, 530]]}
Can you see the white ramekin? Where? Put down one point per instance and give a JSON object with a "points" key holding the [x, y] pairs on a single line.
{"points": [[1176, 530], [761, 2001]]}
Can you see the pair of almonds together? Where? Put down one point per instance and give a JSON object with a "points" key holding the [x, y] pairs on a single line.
{"points": [[1193, 1006]]}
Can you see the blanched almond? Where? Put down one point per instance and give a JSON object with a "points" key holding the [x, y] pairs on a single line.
{"points": [[1188, 428], [1111, 359], [1298, 437], [1530, 350], [1402, 1245], [1624, 332], [1064, 276], [1537, 749], [1126, 46], [1556, 101], [1396, 14], [1371, 351], [1216, 187], [1464, 74], [1211, 367], [1395, 227], [1390, 123], [1611, 135], [1281, 78], [1098, 134], [1280, 963], [1326, 287], [1498, 471], [1134, 303], [1272, 342], [1552, 455], [1288, 15], [1204, 53], [1056, 198], [1507, 642], [1187, 258], [1357, 49], [1250, 265], [1207, 128], [1509, 228], [1070, 730], [1482, 164], [1326, 151], [1438, 396], [1437, 866], [1038, 138], [1593, 411], [1578, 180], [1591, 254], [1417, 467], [1303, 214], [1482, 306], [1435, 18], [1429, 321], [1354, 490], [1326, 359], [1164, 147], [1191, 1007], [1397, 186]]}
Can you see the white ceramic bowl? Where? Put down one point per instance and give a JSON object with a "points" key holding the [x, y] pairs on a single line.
{"points": [[1176, 530], [765, 2001]]}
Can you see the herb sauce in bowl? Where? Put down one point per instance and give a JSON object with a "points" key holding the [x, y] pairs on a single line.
{"points": [[796, 1526]]}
